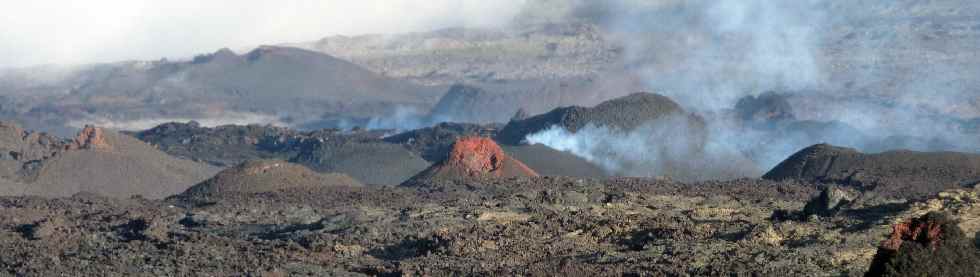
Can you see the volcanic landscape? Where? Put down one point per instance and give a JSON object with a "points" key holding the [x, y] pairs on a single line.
{"points": [[555, 146]]}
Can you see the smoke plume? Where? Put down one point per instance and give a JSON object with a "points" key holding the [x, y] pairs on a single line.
{"points": [[874, 75], [668, 147]]}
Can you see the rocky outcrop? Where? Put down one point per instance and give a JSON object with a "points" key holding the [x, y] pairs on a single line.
{"points": [[830, 201], [90, 138], [931, 245], [475, 158], [926, 231], [20, 145], [963, 205]]}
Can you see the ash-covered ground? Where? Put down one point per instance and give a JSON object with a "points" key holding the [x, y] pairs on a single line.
{"points": [[522, 226], [584, 138], [480, 211]]}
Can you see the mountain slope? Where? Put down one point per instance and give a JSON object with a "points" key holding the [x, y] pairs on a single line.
{"points": [[268, 84], [103, 162]]}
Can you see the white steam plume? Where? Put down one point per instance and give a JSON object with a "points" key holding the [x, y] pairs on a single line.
{"points": [[895, 74], [665, 147]]}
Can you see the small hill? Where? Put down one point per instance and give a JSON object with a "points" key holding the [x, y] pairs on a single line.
{"points": [[475, 158], [376, 163], [624, 113], [264, 176], [895, 173], [108, 163]]}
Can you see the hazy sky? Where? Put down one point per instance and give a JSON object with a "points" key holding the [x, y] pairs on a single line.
{"points": [[72, 32]]}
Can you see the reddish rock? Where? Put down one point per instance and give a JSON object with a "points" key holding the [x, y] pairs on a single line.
{"points": [[931, 245], [476, 157], [90, 138], [919, 230]]}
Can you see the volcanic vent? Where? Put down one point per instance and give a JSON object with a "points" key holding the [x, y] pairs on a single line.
{"points": [[475, 157]]}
